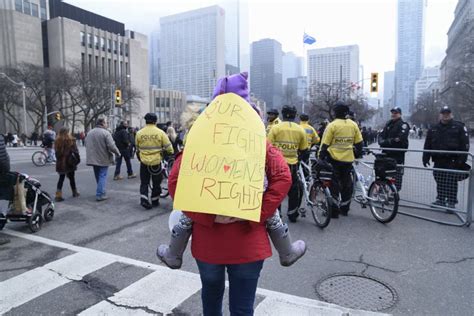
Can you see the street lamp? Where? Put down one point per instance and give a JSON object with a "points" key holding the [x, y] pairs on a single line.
{"points": [[23, 89]]}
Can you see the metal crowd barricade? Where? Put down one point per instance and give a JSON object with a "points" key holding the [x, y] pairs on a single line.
{"points": [[422, 186]]}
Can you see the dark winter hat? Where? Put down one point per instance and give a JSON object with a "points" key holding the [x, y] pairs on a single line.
{"points": [[396, 110], [151, 118], [445, 109], [288, 111], [273, 111], [341, 109]]}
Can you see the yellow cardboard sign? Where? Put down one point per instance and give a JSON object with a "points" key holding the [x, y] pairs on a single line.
{"points": [[223, 165]]}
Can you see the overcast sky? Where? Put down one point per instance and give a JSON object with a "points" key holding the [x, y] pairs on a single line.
{"points": [[369, 23]]}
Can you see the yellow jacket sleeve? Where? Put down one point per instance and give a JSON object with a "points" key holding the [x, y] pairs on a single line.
{"points": [[167, 146], [303, 145]]}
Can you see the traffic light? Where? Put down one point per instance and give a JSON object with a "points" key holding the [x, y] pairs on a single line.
{"points": [[374, 82], [118, 97], [57, 116]]}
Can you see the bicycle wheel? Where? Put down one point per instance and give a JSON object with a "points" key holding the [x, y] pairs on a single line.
{"points": [[321, 209], [39, 158], [383, 201]]}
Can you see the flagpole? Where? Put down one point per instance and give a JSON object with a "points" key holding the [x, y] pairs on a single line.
{"points": [[305, 90]]}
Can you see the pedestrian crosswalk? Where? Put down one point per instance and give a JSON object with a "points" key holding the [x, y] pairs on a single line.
{"points": [[158, 291]]}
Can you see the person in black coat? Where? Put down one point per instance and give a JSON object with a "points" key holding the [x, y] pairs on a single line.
{"points": [[4, 169], [395, 135], [447, 135], [123, 143]]}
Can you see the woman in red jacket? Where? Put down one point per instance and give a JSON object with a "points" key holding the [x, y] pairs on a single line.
{"points": [[221, 242]]}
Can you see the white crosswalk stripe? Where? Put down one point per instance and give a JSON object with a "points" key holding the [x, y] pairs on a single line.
{"points": [[159, 292], [29, 285], [165, 291]]}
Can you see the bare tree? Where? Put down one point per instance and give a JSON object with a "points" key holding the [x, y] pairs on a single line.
{"points": [[80, 95], [90, 94], [323, 98], [426, 110], [10, 102]]}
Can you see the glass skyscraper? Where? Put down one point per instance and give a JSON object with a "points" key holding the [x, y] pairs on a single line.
{"points": [[410, 51]]}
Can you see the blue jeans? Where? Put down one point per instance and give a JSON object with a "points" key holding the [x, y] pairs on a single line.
{"points": [[243, 279], [51, 154], [101, 179]]}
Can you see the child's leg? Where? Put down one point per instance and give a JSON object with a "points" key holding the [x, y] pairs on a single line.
{"points": [[172, 255], [278, 231]]}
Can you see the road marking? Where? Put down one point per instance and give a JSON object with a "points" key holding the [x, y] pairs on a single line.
{"points": [[164, 292], [161, 291], [29, 285]]}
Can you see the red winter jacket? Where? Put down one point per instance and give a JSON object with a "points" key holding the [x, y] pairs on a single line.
{"points": [[244, 241]]}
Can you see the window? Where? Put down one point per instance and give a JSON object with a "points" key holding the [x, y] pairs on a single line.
{"points": [[96, 62], [126, 50], [89, 40], [103, 66], [96, 42], [83, 39], [26, 7], [43, 16], [34, 10], [109, 66], [102, 43], [109, 47], [19, 5], [115, 47], [115, 70], [121, 48]]}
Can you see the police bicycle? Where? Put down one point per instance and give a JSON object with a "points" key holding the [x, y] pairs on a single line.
{"points": [[378, 190], [315, 191], [166, 166]]}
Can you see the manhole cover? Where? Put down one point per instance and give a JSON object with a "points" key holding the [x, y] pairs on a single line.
{"points": [[356, 291]]}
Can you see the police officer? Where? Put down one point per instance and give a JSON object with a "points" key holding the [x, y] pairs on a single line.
{"points": [[291, 140], [395, 135], [447, 135], [272, 118], [151, 142], [311, 134], [337, 147]]}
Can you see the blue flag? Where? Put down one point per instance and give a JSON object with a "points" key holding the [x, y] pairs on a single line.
{"points": [[307, 39]]}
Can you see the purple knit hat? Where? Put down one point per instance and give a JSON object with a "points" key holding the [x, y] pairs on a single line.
{"points": [[235, 83]]}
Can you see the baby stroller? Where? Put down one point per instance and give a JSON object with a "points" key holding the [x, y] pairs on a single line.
{"points": [[33, 208]]}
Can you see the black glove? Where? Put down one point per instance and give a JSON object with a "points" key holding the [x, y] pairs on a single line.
{"points": [[304, 155]]}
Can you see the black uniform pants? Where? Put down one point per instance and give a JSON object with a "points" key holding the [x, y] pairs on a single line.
{"points": [[294, 195], [154, 174], [446, 183], [400, 172], [342, 185]]}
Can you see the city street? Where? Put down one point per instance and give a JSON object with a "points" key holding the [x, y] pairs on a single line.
{"points": [[99, 257]]}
